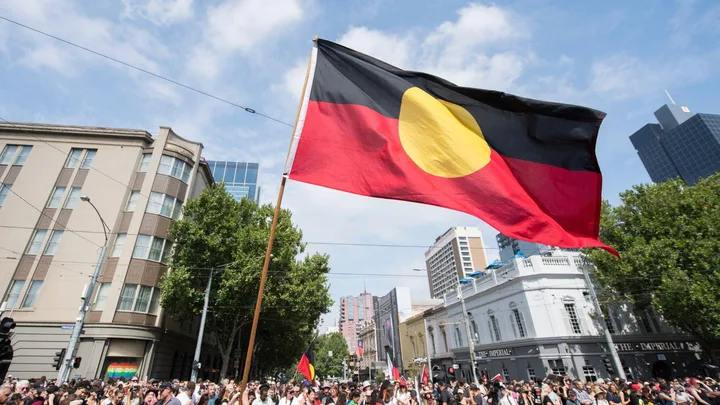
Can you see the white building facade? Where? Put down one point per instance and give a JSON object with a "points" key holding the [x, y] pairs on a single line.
{"points": [[534, 317]]}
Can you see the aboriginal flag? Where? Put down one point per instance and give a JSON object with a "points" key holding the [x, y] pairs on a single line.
{"points": [[526, 167], [306, 366]]}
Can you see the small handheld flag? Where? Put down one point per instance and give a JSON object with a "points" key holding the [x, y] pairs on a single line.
{"points": [[306, 366]]}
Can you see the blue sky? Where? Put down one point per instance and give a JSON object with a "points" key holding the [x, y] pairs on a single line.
{"points": [[616, 56]]}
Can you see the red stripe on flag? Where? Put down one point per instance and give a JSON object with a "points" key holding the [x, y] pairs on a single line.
{"points": [[355, 149]]}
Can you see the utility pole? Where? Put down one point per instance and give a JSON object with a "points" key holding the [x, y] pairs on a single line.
{"points": [[603, 324], [201, 331], [471, 344], [66, 366], [427, 351]]}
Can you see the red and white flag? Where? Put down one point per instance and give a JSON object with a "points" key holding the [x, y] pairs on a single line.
{"points": [[393, 372], [497, 378], [425, 379]]}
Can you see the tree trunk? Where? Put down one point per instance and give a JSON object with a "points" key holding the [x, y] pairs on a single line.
{"points": [[226, 350]]}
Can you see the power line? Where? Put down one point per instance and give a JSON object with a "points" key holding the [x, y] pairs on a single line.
{"points": [[357, 244], [158, 76], [49, 217]]}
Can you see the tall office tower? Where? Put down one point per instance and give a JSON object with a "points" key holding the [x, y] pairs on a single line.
{"points": [[50, 240], [241, 178], [454, 254], [354, 312], [682, 145]]}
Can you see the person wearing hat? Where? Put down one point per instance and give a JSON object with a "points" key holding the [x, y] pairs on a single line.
{"points": [[477, 397], [165, 395], [402, 396], [324, 395]]}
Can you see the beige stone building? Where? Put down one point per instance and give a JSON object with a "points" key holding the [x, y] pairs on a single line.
{"points": [[413, 344], [50, 240], [369, 339]]}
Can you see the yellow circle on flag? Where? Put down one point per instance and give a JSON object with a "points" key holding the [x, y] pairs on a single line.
{"points": [[442, 138]]}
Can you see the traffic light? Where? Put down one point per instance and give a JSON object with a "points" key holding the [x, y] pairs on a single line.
{"points": [[6, 350], [76, 363], [58, 359], [608, 365]]}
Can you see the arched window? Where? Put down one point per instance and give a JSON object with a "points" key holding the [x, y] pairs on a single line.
{"points": [[517, 321], [494, 327]]}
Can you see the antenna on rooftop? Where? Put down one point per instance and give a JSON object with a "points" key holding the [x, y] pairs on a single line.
{"points": [[671, 99]]}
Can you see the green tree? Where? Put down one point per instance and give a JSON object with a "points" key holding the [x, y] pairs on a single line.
{"points": [[227, 238], [326, 365], [668, 235]]}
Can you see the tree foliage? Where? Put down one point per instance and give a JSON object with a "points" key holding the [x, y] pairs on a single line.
{"points": [[325, 365], [668, 235], [227, 238]]}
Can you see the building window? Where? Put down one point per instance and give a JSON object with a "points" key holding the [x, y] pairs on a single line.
{"points": [[132, 201], [53, 243], [56, 198], [145, 162], [23, 155], [458, 338], [139, 298], [519, 322], [175, 167], [4, 191], [142, 302], [531, 374], [89, 159], [506, 374], [32, 294], [589, 373], [14, 293], [557, 367], [101, 297], [73, 198], [7, 154], [573, 318], [37, 240], [127, 296], [445, 342], [608, 319], [494, 327], [73, 158], [118, 245], [643, 321], [475, 330], [432, 341], [165, 205], [152, 248]]}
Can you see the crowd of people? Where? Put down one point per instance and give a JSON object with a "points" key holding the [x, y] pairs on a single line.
{"points": [[554, 390]]}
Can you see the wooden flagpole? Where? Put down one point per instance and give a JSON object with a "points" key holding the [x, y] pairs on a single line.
{"points": [[271, 239]]}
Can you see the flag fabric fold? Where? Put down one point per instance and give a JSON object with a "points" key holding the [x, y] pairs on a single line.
{"points": [[425, 376], [306, 365], [526, 167], [392, 371]]}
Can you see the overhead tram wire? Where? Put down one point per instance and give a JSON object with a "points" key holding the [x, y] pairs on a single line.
{"points": [[156, 75]]}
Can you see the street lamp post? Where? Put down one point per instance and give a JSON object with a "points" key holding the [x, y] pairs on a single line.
{"points": [[471, 344], [85, 305]]}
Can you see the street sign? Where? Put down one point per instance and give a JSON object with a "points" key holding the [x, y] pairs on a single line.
{"points": [[456, 366], [67, 327]]}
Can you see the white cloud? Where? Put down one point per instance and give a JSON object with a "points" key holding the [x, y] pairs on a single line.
{"points": [[622, 76], [159, 12], [240, 26], [392, 49], [63, 19]]}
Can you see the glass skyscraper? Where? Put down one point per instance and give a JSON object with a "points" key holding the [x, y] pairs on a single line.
{"points": [[683, 145], [241, 178]]}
